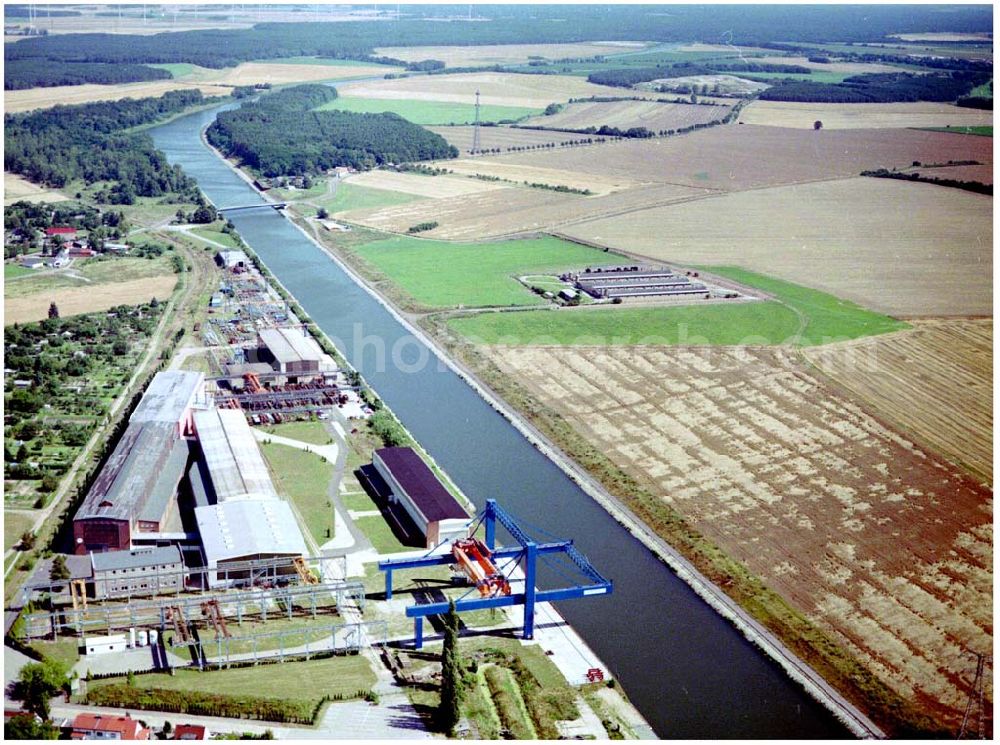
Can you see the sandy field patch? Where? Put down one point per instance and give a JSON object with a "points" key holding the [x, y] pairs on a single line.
{"points": [[493, 54], [934, 380], [496, 88], [435, 187], [652, 115], [737, 157], [796, 115], [502, 137], [727, 84], [944, 36], [77, 300], [727, 48], [883, 544], [983, 174], [278, 73], [897, 247], [16, 188], [42, 98], [520, 172], [497, 214], [857, 68]]}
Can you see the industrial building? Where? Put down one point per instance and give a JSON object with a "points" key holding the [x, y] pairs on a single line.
{"points": [[233, 463], [293, 352], [232, 259], [141, 571], [244, 529], [132, 499], [634, 281], [412, 485]]}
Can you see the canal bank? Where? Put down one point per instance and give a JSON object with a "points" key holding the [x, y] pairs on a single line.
{"points": [[689, 671]]}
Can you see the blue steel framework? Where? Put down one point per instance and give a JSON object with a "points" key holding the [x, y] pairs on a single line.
{"points": [[527, 550]]}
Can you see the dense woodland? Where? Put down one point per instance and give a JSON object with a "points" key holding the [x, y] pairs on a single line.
{"points": [[742, 25], [879, 88], [281, 135], [41, 73], [91, 142]]}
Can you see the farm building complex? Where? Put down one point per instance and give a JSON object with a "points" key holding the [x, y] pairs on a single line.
{"points": [[634, 281]]}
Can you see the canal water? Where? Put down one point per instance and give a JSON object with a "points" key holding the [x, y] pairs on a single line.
{"points": [[690, 673]]}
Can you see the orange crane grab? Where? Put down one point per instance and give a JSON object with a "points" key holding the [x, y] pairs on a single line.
{"points": [[474, 558]]}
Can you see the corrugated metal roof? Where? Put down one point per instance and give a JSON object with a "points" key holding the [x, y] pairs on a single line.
{"points": [[291, 345], [424, 489], [248, 527], [128, 478], [235, 466], [232, 258], [168, 395], [137, 557], [167, 481]]}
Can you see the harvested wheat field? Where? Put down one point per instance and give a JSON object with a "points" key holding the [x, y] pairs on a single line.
{"points": [[795, 115], [934, 381], [496, 89], [42, 98], [520, 172], [983, 174], [881, 543], [503, 138], [77, 300], [513, 211], [278, 73], [652, 115], [734, 158], [435, 187], [495, 54], [902, 248], [16, 188]]}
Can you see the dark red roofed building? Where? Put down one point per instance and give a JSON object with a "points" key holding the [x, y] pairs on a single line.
{"points": [[89, 726], [67, 233], [413, 485], [189, 732]]}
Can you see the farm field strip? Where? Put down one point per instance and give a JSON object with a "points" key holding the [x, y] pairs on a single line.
{"points": [[519, 172], [492, 54], [41, 98], [502, 137], [433, 187], [425, 112], [852, 68], [653, 115], [908, 249], [737, 158], [87, 299], [496, 89], [842, 516], [16, 188], [935, 380], [796, 115]]}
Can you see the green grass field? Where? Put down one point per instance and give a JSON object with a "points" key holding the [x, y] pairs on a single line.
{"points": [[442, 274], [217, 236], [177, 69], [312, 432], [980, 131], [818, 76], [430, 112], [353, 197], [333, 675], [10, 271], [983, 91], [381, 535], [797, 315], [305, 478], [14, 524]]}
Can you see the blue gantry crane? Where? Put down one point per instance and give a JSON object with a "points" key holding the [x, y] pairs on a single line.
{"points": [[481, 559]]}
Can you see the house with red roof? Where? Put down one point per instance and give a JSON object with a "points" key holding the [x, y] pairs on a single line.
{"points": [[89, 726], [189, 732], [66, 233]]}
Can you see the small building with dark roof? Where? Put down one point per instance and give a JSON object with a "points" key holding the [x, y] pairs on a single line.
{"points": [[412, 485]]}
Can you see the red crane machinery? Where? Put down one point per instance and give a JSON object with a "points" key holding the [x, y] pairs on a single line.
{"points": [[210, 610], [475, 559], [252, 383], [307, 577]]}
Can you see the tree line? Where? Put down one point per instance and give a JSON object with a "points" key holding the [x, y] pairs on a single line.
{"points": [[91, 142], [879, 88], [20, 74], [282, 135]]}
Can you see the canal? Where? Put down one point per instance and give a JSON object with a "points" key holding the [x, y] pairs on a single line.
{"points": [[690, 672]]}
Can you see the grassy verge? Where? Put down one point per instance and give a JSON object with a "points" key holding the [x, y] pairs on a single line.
{"points": [[431, 112], [509, 704], [14, 524], [217, 236], [350, 196], [305, 478], [312, 432], [981, 131], [11, 271], [64, 651], [805, 639], [380, 534], [442, 274]]}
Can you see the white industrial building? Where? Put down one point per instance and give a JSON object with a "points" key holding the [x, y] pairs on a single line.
{"points": [[141, 571], [232, 259], [244, 529], [293, 351], [232, 458]]}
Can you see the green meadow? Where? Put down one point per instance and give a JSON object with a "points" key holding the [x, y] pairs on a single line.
{"points": [[430, 112]]}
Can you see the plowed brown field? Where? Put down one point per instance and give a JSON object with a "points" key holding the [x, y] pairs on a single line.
{"points": [[934, 380], [880, 542], [501, 137]]}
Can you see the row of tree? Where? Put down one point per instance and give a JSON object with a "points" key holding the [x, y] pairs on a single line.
{"points": [[91, 142], [879, 88], [282, 135], [20, 74]]}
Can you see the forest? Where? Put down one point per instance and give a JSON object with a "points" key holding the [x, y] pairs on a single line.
{"points": [[741, 25], [91, 142], [879, 88], [43, 73], [281, 135]]}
